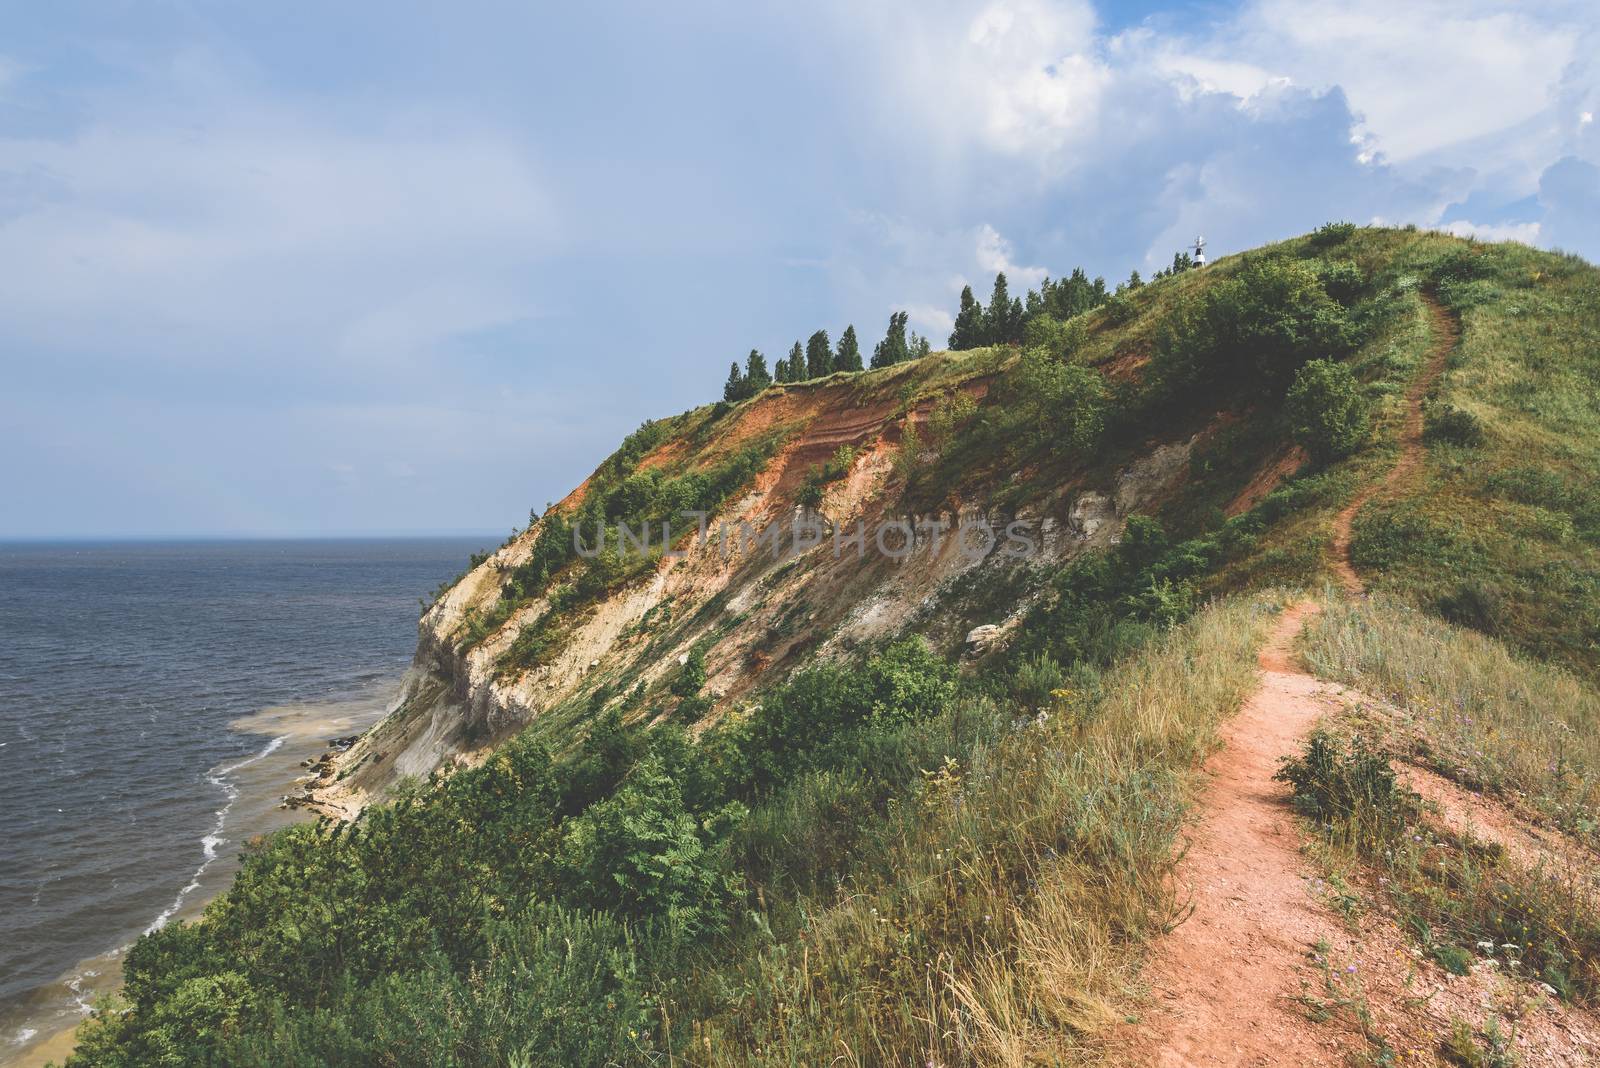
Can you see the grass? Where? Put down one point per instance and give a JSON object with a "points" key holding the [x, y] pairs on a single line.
{"points": [[998, 914], [1503, 533], [1491, 718], [1470, 707], [1461, 900]]}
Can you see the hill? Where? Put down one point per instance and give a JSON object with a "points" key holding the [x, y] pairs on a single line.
{"points": [[913, 789]]}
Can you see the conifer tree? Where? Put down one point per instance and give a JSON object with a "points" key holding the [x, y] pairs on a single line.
{"points": [[968, 333], [919, 347], [756, 373], [892, 349], [734, 388], [819, 355], [1002, 321], [848, 358], [797, 363]]}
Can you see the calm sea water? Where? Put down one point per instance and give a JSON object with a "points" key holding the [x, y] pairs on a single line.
{"points": [[126, 782]]}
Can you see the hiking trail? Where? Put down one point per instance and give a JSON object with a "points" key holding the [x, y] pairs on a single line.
{"points": [[1228, 978]]}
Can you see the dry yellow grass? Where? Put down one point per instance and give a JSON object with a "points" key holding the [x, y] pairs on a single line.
{"points": [[1473, 709], [1008, 922]]}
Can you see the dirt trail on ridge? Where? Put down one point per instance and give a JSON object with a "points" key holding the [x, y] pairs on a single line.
{"points": [[1229, 978], [1445, 336]]}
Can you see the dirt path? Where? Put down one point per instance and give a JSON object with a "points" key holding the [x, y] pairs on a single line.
{"points": [[1445, 336], [1230, 977], [1226, 977]]}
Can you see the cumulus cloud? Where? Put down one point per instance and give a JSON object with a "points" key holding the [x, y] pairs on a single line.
{"points": [[994, 257]]}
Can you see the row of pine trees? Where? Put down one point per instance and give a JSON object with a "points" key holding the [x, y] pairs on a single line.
{"points": [[1001, 322], [819, 357]]}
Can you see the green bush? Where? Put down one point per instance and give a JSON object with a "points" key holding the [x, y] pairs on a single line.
{"points": [[642, 853], [1454, 426], [1060, 339], [1333, 233], [1338, 782], [1251, 332], [1062, 405], [1343, 281], [1326, 410]]}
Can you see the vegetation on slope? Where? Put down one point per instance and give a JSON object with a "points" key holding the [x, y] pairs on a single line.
{"points": [[888, 860], [1494, 720]]}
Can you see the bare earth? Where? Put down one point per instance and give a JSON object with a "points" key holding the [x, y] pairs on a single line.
{"points": [[1225, 977]]}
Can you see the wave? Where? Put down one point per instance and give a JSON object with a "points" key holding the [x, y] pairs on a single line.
{"points": [[210, 843]]}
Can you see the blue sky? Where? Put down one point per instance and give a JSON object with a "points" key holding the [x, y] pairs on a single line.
{"points": [[301, 268]]}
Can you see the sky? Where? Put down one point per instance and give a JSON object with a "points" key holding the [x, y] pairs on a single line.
{"points": [[389, 267]]}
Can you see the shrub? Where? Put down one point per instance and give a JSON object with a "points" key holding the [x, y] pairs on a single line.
{"points": [[1119, 309], [1333, 233], [1453, 425], [1251, 332], [693, 675], [1060, 404], [643, 854], [1343, 281], [948, 416], [1326, 410], [1060, 339], [1337, 782]]}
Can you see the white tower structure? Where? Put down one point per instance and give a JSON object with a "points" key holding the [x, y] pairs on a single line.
{"points": [[1199, 252]]}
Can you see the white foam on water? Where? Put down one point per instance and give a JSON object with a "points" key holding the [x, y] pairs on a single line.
{"points": [[209, 844], [22, 1036]]}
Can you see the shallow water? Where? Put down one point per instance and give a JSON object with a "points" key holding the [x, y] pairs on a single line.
{"points": [[156, 700]]}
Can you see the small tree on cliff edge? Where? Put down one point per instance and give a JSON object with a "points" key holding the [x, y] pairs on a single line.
{"points": [[755, 371], [734, 388], [819, 355], [892, 349], [848, 358], [968, 333], [791, 368]]}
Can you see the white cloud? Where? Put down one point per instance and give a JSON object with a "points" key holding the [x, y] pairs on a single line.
{"points": [[934, 322], [1527, 233], [1425, 78], [994, 256]]}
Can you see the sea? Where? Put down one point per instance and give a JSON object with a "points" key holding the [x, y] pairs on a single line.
{"points": [[157, 700]]}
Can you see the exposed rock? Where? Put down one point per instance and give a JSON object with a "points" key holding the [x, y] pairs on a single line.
{"points": [[1092, 513], [1149, 475], [980, 638]]}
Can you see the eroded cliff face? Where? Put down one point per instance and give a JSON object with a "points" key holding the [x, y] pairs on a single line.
{"points": [[754, 614]]}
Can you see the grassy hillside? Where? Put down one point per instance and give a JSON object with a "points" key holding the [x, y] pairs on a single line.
{"points": [[768, 810]]}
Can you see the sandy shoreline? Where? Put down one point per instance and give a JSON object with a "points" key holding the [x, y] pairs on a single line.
{"points": [[250, 792]]}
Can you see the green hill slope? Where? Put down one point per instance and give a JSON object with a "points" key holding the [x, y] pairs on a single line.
{"points": [[713, 805]]}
